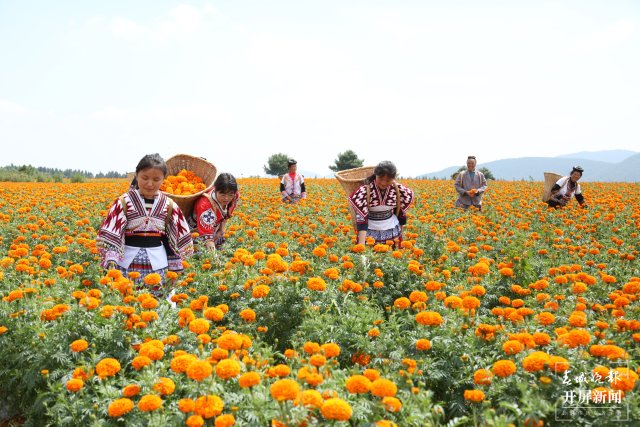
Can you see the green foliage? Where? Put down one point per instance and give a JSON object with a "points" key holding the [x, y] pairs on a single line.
{"points": [[346, 160], [485, 171], [277, 164]]}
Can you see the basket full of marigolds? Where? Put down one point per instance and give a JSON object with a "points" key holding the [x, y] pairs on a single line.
{"points": [[188, 178]]}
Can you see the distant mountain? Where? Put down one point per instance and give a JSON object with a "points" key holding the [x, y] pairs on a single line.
{"points": [[533, 168], [611, 156]]}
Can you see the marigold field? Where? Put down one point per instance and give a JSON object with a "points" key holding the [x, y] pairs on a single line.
{"points": [[520, 315]]}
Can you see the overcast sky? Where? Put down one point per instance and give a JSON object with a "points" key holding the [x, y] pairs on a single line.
{"points": [[95, 85]]}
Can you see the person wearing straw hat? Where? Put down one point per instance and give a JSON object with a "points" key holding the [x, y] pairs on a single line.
{"points": [[292, 185], [212, 210], [145, 231], [470, 184], [380, 205], [565, 188]]}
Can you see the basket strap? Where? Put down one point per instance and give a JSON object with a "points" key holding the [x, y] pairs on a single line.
{"points": [[395, 185]]}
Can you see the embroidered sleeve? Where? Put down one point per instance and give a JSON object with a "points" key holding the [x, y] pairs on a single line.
{"points": [[358, 201], [110, 239], [406, 199]]}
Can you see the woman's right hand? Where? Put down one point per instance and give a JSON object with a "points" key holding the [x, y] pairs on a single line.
{"points": [[111, 265]]}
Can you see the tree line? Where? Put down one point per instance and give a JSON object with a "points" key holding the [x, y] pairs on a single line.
{"points": [[28, 173]]}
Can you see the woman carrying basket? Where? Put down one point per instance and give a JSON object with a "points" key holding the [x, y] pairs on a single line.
{"points": [[380, 205], [212, 210], [145, 231], [565, 188]]}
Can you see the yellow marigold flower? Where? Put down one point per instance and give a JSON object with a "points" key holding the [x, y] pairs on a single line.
{"points": [[164, 387], [107, 367], [474, 395], [285, 389], [198, 370], [209, 406], [227, 368], [149, 402], [249, 379], [75, 384], [383, 387], [79, 345], [336, 409], [120, 407]]}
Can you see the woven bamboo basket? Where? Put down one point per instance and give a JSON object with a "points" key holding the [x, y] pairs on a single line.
{"points": [[550, 178], [130, 176], [351, 180], [201, 167]]}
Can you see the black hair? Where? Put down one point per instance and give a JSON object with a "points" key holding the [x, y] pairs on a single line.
{"points": [[471, 158], [292, 162], [384, 168], [225, 183], [577, 169], [150, 161]]}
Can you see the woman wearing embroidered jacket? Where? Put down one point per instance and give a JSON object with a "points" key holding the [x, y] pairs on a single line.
{"points": [[145, 231], [380, 205], [213, 209], [470, 184], [292, 185], [565, 188]]}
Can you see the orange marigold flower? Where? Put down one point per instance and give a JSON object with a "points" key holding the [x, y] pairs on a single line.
{"points": [[429, 318], [164, 386], [330, 350], [391, 404], [558, 364], [149, 402], [79, 345], [316, 284], [249, 379], [107, 367], [623, 379], [545, 318], [383, 387], [209, 406], [225, 420], [152, 279], [75, 384], [194, 421], [482, 377], [120, 407], [535, 361], [358, 384], [336, 409], [512, 347], [198, 370], [284, 389], [474, 395], [311, 398], [504, 368], [227, 368], [402, 303], [248, 315], [140, 362], [131, 390], [199, 326], [423, 344]]}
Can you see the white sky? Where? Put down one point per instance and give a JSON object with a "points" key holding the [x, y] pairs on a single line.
{"points": [[95, 85]]}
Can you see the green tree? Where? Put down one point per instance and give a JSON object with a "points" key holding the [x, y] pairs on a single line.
{"points": [[347, 160], [485, 171], [277, 164]]}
